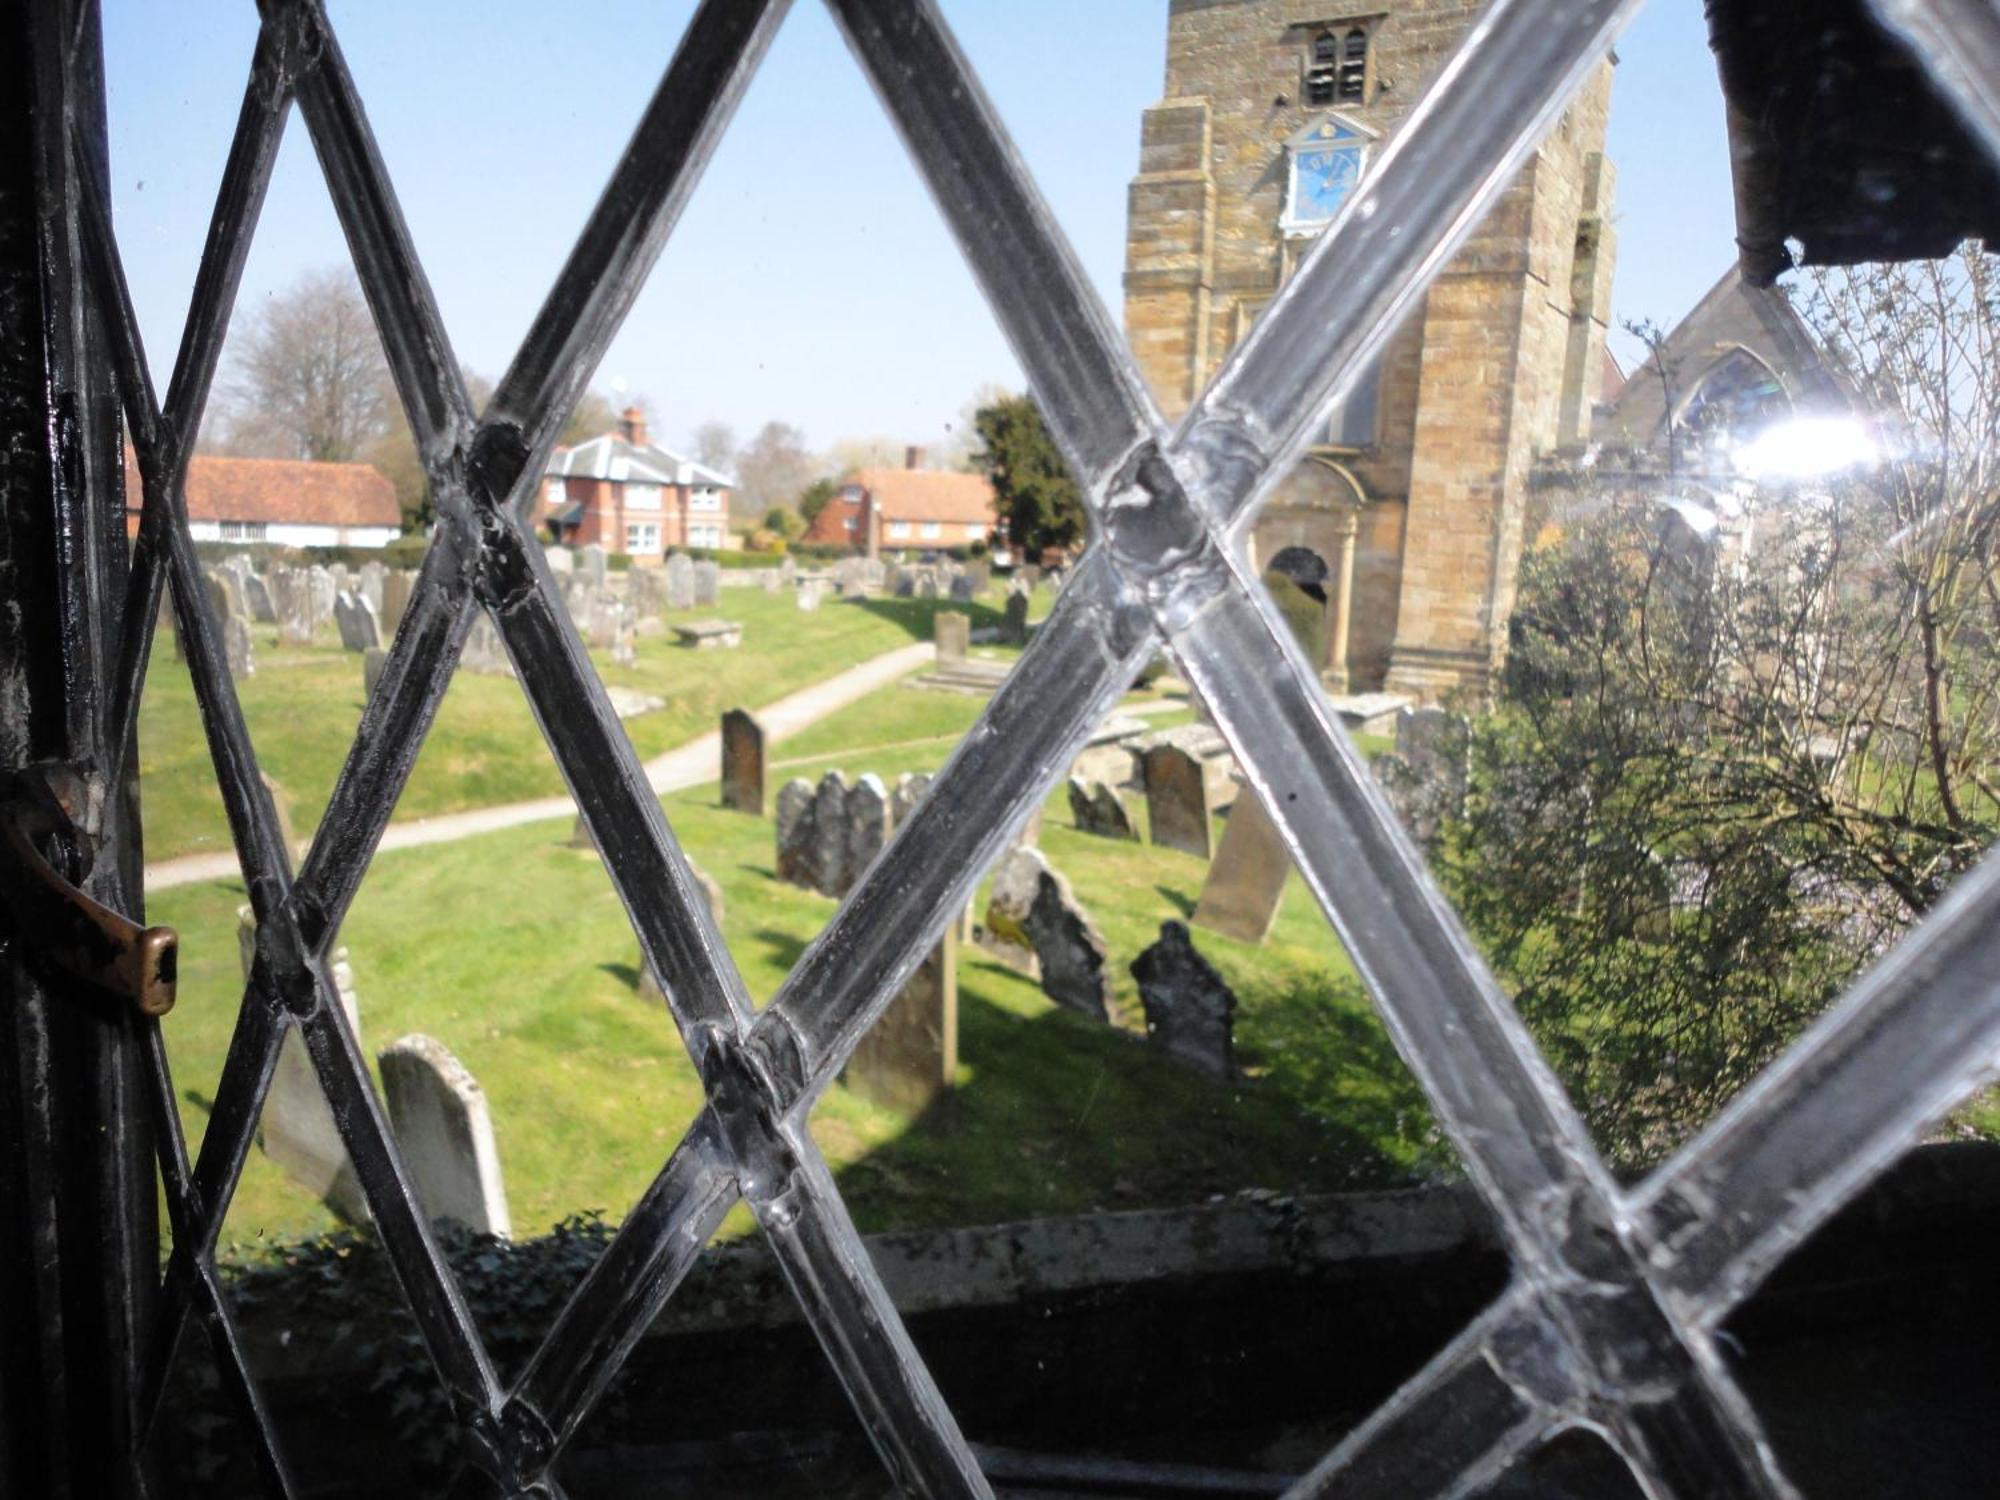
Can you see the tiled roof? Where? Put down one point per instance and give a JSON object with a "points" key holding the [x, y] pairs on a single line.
{"points": [[282, 490], [611, 457], [928, 495]]}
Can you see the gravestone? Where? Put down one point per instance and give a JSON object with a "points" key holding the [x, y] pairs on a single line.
{"points": [[866, 810], [355, 617], [590, 563], [1176, 800], [742, 763], [396, 591], [292, 596], [808, 598], [320, 584], [980, 571], [909, 1058], [445, 1133], [952, 632], [225, 592], [368, 584], [963, 589], [909, 791], [710, 635], [561, 560], [1004, 932], [1014, 623], [771, 579], [1097, 808], [1190, 1012], [236, 648], [927, 583], [1245, 883], [483, 651], [795, 832], [707, 584], [373, 660], [580, 836], [680, 582], [1068, 948], [257, 596], [296, 1129], [648, 588], [829, 852], [338, 576]]}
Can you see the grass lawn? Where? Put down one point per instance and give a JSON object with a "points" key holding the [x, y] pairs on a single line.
{"points": [[512, 950], [303, 705]]}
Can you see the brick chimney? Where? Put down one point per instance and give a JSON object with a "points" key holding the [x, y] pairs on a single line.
{"points": [[913, 457], [632, 426]]}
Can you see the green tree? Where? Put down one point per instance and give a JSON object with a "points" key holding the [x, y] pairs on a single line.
{"points": [[814, 497], [1032, 488]]}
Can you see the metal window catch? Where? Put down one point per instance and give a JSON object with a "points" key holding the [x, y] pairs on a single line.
{"points": [[56, 921]]}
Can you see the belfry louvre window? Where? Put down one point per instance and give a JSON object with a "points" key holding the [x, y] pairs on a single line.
{"points": [[1615, 1295], [1323, 76]]}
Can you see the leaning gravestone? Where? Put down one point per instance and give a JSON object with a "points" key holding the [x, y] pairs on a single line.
{"points": [[1014, 624], [445, 1133], [707, 584], [355, 617], [680, 582], [795, 833], [257, 595], [742, 763], [373, 660], [1190, 1011], [236, 648], [1098, 809], [297, 1130], [866, 810], [909, 1057], [1247, 880], [953, 634], [1176, 800], [1068, 948]]}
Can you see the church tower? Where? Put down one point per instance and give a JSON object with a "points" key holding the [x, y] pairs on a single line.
{"points": [[1410, 516]]}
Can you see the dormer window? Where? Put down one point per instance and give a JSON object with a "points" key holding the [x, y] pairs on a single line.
{"points": [[1323, 163], [1337, 70]]}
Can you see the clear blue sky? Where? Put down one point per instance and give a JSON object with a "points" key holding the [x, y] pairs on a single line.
{"points": [[810, 280]]}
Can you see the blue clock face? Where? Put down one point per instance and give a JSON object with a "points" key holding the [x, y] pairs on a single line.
{"points": [[1321, 181]]}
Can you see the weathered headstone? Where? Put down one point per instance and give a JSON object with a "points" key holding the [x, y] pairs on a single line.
{"points": [[445, 1133], [742, 763], [648, 588], [561, 560], [680, 582], [321, 584], [1098, 809], [292, 596], [1177, 800], [355, 617], [707, 584], [829, 854], [795, 833], [225, 592], [373, 660], [1014, 623], [909, 1057], [236, 648], [909, 791], [296, 1129], [483, 651], [580, 836], [1190, 1011], [368, 583], [808, 598], [590, 562], [710, 635], [866, 810], [952, 632], [257, 596], [1004, 932], [1247, 879], [963, 589], [1068, 947]]}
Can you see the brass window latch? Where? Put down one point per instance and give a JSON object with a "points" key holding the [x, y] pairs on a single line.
{"points": [[44, 857]]}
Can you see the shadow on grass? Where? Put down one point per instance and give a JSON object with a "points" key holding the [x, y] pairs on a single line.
{"points": [[785, 947], [1180, 901], [918, 616], [1062, 1115], [625, 974]]}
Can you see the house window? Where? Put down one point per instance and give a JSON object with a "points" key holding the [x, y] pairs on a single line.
{"points": [[241, 531], [931, 531], [899, 528], [557, 494], [642, 536], [1323, 164], [974, 531], [705, 536], [705, 497], [642, 497]]}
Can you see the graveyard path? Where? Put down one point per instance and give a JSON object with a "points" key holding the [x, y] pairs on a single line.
{"points": [[692, 764]]}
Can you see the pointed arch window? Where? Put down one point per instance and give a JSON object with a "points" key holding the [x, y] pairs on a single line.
{"points": [[1323, 72], [1351, 82]]}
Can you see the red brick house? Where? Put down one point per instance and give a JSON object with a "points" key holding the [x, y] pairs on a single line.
{"points": [[628, 494], [287, 502], [911, 507]]}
